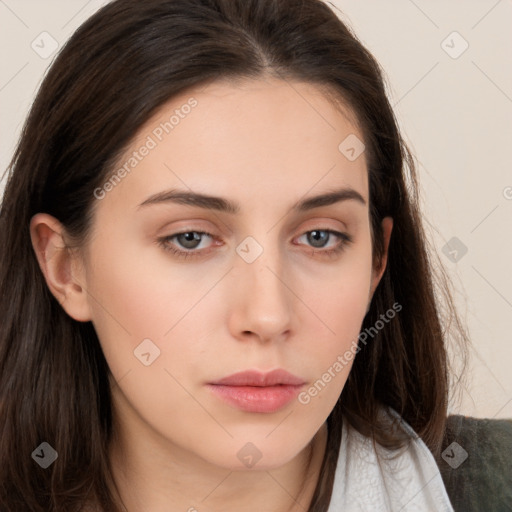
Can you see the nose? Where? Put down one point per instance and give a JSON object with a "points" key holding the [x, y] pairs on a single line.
{"points": [[262, 299]]}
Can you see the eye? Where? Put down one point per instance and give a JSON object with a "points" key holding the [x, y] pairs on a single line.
{"points": [[319, 237], [189, 240]]}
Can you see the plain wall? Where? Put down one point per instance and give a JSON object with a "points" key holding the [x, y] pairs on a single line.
{"points": [[454, 105]]}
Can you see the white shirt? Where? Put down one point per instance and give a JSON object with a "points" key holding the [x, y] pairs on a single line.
{"points": [[409, 483]]}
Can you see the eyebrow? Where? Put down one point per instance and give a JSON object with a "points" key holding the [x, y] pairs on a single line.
{"points": [[227, 206]]}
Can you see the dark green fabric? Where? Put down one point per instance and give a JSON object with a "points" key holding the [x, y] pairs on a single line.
{"points": [[483, 481]]}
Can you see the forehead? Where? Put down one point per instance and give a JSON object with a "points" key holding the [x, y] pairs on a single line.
{"points": [[258, 139]]}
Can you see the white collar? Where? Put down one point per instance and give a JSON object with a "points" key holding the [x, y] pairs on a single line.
{"points": [[409, 482]]}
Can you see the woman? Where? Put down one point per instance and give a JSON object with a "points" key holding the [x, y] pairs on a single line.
{"points": [[215, 282]]}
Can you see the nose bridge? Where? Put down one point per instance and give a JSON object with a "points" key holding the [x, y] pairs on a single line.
{"points": [[264, 300]]}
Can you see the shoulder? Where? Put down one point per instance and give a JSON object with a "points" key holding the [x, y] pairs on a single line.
{"points": [[476, 463]]}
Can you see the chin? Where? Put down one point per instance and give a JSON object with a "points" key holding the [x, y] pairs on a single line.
{"points": [[259, 454]]}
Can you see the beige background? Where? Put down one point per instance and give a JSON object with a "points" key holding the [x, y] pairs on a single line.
{"points": [[455, 108]]}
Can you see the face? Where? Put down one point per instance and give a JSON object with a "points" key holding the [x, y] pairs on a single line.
{"points": [[208, 258]]}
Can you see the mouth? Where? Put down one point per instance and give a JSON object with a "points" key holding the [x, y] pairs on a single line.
{"points": [[257, 392]]}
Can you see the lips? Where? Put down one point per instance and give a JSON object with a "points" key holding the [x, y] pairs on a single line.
{"points": [[259, 379], [257, 392]]}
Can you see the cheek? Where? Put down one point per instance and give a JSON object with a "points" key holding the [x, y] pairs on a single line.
{"points": [[339, 302], [340, 293], [135, 297], [126, 303]]}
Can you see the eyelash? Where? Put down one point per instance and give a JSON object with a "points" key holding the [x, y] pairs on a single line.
{"points": [[163, 242]]}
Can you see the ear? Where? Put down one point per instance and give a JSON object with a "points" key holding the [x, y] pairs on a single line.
{"points": [[61, 267], [377, 273]]}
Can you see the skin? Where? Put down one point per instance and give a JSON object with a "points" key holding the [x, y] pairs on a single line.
{"points": [[265, 144]]}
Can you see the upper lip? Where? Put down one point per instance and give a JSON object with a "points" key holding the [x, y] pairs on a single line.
{"points": [[261, 379]]}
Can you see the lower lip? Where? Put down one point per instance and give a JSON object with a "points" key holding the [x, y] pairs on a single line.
{"points": [[256, 399]]}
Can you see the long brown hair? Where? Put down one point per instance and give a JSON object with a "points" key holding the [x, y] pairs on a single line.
{"points": [[117, 69]]}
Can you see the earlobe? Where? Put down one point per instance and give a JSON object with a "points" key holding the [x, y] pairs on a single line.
{"points": [[387, 227], [60, 266]]}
